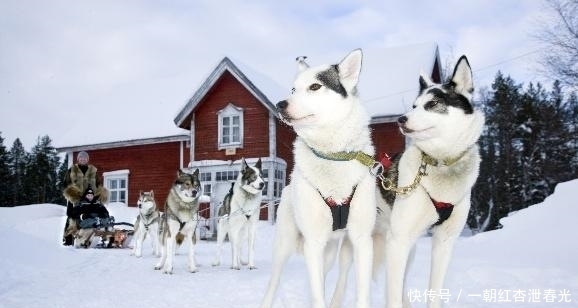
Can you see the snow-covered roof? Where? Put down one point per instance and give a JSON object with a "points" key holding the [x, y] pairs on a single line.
{"points": [[389, 80], [388, 86], [261, 86]]}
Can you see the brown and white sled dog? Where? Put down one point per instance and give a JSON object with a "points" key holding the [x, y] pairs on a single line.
{"points": [[328, 197], [180, 220], [444, 128], [147, 223], [239, 214]]}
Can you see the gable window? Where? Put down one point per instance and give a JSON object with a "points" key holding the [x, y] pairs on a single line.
{"points": [[117, 184], [230, 127]]}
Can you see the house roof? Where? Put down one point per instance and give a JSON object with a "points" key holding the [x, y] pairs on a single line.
{"points": [[125, 143], [388, 83], [389, 80], [260, 86]]}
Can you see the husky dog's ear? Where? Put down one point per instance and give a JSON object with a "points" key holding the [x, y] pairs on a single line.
{"points": [[258, 164], [349, 69], [301, 64], [424, 81], [462, 80], [196, 173], [152, 194], [243, 164], [179, 172]]}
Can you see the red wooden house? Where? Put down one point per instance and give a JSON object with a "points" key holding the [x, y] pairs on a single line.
{"points": [[232, 116], [128, 167]]}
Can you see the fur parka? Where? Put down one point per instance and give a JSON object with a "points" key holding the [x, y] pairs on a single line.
{"points": [[79, 181]]}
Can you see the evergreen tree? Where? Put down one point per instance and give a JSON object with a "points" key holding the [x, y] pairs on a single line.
{"points": [[42, 172], [5, 178], [61, 184], [18, 160], [502, 111]]}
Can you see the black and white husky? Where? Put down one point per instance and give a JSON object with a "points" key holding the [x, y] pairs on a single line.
{"points": [[430, 186], [330, 194], [239, 214], [147, 223], [180, 220]]}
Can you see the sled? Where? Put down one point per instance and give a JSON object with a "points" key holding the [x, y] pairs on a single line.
{"points": [[110, 235]]}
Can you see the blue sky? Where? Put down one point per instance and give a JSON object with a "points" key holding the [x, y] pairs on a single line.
{"points": [[73, 68]]}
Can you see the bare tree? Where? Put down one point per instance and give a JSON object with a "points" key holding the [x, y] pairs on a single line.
{"points": [[560, 58]]}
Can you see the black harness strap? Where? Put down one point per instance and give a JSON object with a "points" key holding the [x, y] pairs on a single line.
{"points": [[339, 211], [444, 210]]}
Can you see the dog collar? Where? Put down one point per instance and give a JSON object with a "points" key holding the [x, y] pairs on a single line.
{"points": [[447, 162], [360, 156]]}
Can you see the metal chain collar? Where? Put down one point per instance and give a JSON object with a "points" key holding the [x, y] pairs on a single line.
{"points": [[388, 184], [377, 169]]}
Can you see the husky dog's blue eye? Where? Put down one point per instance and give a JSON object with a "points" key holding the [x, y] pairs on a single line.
{"points": [[315, 87]]}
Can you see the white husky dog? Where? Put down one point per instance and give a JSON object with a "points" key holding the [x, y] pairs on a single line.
{"points": [[147, 223], [431, 184], [331, 193], [239, 214]]}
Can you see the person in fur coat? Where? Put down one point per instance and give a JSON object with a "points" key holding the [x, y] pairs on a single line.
{"points": [[78, 178]]}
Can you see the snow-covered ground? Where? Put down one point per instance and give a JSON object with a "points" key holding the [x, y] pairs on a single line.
{"points": [[531, 262]]}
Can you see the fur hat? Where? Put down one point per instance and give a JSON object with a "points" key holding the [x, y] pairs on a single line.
{"points": [[82, 154]]}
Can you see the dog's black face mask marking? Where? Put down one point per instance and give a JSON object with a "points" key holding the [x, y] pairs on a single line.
{"points": [[443, 99], [330, 79]]}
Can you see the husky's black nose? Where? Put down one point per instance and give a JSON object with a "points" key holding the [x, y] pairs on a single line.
{"points": [[282, 105], [261, 185], [402, 120]]}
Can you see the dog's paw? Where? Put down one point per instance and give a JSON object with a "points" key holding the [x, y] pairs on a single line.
{"points": [[252, 267], [216, 263], [238, 268], [193, 270], [158, 267]]}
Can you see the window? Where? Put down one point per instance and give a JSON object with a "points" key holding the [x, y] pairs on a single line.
{"points": [[230, 127], [117, 188], [279, 183], [223, 176], [117, 184], [207, 190], [205, 176]]}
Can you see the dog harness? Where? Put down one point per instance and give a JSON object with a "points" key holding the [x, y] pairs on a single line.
{"points": [[444, 210], [145, 219], [339, 210]]}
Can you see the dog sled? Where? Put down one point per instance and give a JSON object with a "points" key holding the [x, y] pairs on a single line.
{"points": [[94, 221], [112, 234]]}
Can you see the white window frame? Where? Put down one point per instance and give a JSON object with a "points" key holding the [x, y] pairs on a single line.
{"points": [[117, 175], [230, 112]]}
